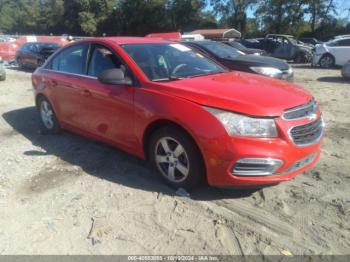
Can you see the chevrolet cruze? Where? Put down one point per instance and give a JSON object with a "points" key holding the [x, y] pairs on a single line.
{"points": [[191, 117]]}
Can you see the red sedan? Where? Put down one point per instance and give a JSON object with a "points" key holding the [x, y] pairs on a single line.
{"points": [[191, 117]]}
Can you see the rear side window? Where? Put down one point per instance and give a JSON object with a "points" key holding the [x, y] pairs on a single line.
{"points": [[102, 59], [71, 60]]}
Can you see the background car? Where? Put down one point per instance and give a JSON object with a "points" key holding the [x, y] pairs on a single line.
{"points": [[244, 49], [34, 54], [286, 47], [2, 70], [335, 52], [346, 70], [237, 60], [310, 40]]}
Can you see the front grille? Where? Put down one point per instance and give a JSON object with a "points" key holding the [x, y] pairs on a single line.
{"points": [[307, 134], [301, 111]]}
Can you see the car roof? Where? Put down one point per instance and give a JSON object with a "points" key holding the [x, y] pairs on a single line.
{"points": [[288, 36], [339, 39], [199, 41], [128, 40], [40, 43]]}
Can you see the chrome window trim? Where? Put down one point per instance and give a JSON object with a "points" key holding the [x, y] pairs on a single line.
{"points": [[313, 142], [70, 74]]}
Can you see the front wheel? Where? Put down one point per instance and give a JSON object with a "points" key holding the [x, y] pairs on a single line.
{"points": [[48, 116], [327, 61], [20, 63], [177, 158]]}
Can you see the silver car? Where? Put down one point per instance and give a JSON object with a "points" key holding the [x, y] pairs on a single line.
{"points": [[346, 70], [2, 70]]}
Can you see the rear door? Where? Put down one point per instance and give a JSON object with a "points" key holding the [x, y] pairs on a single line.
{"points": [[32, 55], [23, 54], [284, 49], [65, 74]]}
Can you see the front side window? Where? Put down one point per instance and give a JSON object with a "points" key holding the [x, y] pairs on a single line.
{"points": [[70, 60], [164, 62], [102, 59]]}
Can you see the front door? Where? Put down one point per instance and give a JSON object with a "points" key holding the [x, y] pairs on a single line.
{"points": [[108, 109]]}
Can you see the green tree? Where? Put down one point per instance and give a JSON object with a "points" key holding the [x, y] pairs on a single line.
{"points": [[280, 16], [233, 12]]}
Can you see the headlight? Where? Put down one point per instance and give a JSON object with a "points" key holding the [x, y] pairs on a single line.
{"points": [[240, 125], [267, 71]]}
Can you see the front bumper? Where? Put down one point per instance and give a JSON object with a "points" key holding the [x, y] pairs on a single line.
{"points": [[316, 59], [220, 160], [2, 73]]}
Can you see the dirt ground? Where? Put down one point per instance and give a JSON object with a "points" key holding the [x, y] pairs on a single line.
{"points": [[69, 195]]}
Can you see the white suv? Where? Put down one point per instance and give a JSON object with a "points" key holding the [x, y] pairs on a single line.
{"points": [[335, 52]]}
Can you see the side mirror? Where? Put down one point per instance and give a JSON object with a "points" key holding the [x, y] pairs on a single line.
{"points": [[114, 76]]}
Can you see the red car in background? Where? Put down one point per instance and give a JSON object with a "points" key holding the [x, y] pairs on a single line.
{"points": [[192, 118], [8, 49]]}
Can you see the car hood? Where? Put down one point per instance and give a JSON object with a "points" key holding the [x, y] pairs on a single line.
{"points": [[307, 48], [240, 92], [254, 60]]}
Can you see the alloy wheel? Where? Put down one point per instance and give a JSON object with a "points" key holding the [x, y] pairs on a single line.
{"points": [[172, 159], [47, 115], [326, 62]]}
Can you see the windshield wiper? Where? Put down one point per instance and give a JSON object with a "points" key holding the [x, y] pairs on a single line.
{"points": [[170, 78], [208, 74]]}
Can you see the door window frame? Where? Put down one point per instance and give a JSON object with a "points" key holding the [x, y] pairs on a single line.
{"points": [[87, 60]]}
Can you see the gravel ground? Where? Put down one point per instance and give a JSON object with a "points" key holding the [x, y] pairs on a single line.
{"points": [[69, 195]]}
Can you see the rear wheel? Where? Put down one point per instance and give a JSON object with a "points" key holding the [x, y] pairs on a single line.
{"points": [[177, 158], [48, 116], [20, 63], [327, 61]]}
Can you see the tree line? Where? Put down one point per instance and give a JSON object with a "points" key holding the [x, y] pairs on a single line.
{"points": [[139, 17]]}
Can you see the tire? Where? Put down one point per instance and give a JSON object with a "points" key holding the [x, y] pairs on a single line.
{"points": [[176, 157], [39, 63], [327, 61], [3, 78], [48, 117], [20, 63]]}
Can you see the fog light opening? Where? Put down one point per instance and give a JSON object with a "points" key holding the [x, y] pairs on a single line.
{"points": [[256, 166]]}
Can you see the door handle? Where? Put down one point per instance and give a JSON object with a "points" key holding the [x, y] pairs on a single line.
{"points": [[86, 93], [53, 83]]}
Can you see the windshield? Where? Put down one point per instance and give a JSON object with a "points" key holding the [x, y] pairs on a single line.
{"points": [[222, 50], [292, 40], [237, 45], [163, 62]]}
